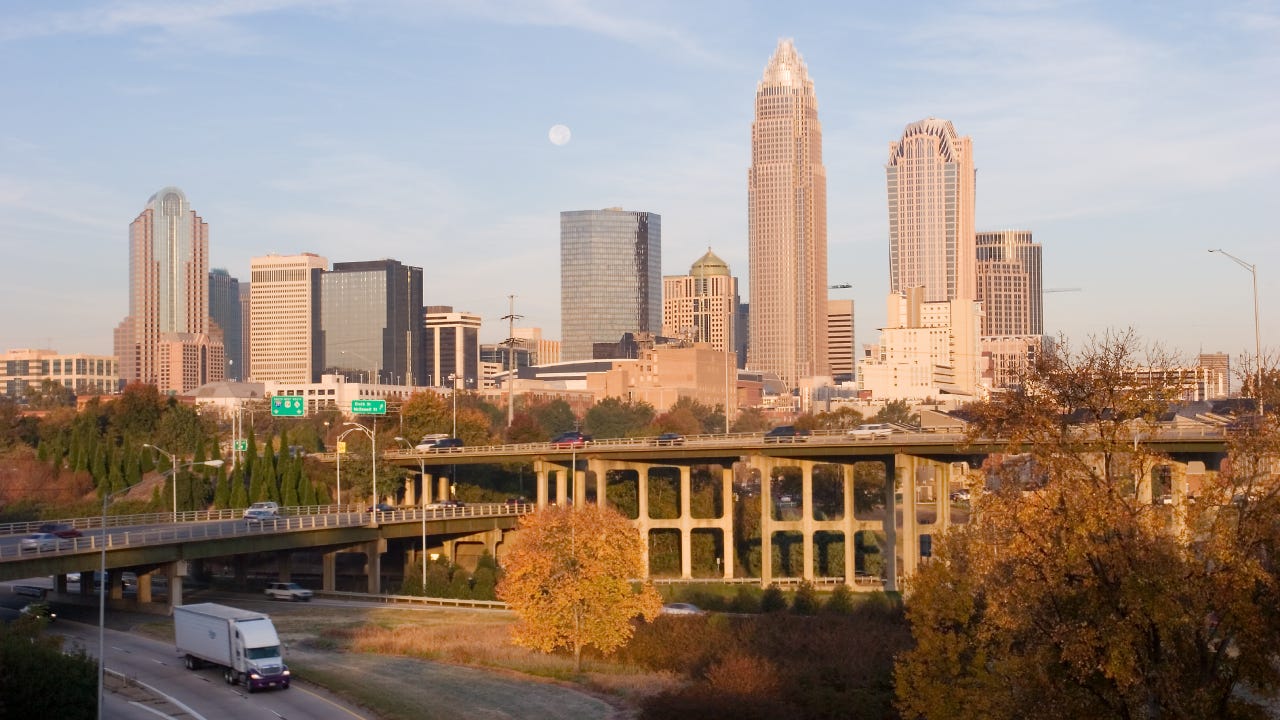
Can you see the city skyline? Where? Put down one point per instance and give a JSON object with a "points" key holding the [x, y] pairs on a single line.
{"points": [[1117, 140]]}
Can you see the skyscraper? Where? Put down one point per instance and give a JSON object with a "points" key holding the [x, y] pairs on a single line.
{"points": [[787, 224], [701, 306], [1008, 283], [224, 310], [610, 277], [452, 347], [840, 353], [284, 318], [371, 321], [167, 339], [931, 205]]}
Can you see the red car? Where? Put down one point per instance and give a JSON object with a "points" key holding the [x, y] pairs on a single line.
{"points": [[62, 531], [570, 439]]}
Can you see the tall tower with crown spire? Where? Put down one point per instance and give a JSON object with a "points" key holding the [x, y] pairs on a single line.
{"points": [[787, 224]]}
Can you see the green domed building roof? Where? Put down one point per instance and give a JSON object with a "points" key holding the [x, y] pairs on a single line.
{"points": [[709, 265]]}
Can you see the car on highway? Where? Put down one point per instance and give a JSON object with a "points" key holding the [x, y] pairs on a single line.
{"points": [[257, 510], [290, 591], [381, 507], [62, 531], [259, 515], [40, 611], [681, 608], [669, 438], [961, 495], [787, 433], [444, 443], [39, 542], [570, 439], [443, 504], [872, 430]]}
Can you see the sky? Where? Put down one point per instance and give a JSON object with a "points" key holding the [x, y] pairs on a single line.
{"points": [[1130, 138]]}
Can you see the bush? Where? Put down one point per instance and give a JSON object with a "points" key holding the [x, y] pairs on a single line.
{"points": [[773, 600], [747, 600], [705, 703], [840, 602], [805, 601]]}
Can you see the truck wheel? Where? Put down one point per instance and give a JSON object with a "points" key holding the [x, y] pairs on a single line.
{"points": [[229, 676], [191, 663]]}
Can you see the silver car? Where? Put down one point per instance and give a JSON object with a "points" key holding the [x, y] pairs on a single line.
{"points": [[40, 542]]}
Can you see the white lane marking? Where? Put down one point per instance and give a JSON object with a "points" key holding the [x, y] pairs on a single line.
{"points": [[157, 691], [150, 709]]}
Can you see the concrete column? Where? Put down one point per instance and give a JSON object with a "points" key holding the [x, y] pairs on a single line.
{"points": [[329, 571], [60, 583], [173, 570], [449, 549], [540, 473], [562, 487], [891, 534], [909, 540], [602, 484], [726, 521], [766, 519], [426, 481], [806, 518], [579, 487], [240, 569], [443, 492], [642, 492], [284, 566], [115, 587], [373, 564], [144, 588], [850, 528], [411, 490], [686, 523]]}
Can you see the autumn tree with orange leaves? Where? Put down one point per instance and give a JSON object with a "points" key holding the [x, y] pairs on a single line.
{"points": [[1079, 591], [569, 575]]}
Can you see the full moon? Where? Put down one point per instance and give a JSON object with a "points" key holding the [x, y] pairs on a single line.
{"points": [[559, 134]]}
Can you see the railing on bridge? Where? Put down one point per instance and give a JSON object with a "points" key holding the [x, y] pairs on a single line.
{"points": [[204, 525]]}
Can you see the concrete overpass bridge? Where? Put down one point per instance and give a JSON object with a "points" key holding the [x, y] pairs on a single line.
{"points": [[807, 490], [161, 554]]}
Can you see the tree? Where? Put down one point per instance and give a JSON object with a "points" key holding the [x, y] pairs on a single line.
{"points": [[613, 418], [897, 411], [554, 416], [568, 578], [50, 394], [1075, 595], [750, 420]]}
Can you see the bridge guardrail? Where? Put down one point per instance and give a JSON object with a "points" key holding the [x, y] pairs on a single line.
{"points": [[412, 600]]}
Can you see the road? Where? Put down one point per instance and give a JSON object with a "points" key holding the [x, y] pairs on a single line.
{"points": [[199, 694]]}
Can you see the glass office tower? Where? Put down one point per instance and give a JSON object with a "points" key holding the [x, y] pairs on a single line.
{"points": [[371, 322], [610, 277]]}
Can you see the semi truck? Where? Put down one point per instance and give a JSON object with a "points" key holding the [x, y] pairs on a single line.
{"points": [[243, 643]]}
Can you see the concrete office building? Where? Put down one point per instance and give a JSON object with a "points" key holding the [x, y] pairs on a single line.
{"points": [[1009, 283], [284, 318], [168, 325], [926, 350], [452, 343], [1219, 377], [371, 322], [243, 361], [25, 370], [610, 277], [701, 307], [931, 209], [224, 310], [840, 348], [787, 224], [544, 351]]}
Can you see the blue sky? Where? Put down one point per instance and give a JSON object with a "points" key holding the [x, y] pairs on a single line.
{"points": [[1129, 137]]}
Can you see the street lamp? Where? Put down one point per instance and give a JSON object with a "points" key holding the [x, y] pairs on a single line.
{"points": [[173, 460], [453, 390], [1257, 332], [373, 440], [102, 574], [342, 436], [422, 479]]}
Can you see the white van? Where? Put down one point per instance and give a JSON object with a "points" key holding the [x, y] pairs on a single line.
{"points": [[872, 430], [428, 442]]}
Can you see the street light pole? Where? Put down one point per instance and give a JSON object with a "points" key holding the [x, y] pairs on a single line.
{"points": [[373, 441], [422, 479], [453, 390], [1257, 329], [173, 460], [102, 575], [342, 436]]}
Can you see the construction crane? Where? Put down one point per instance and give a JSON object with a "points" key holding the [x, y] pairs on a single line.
{"points": [[1046, 291]]}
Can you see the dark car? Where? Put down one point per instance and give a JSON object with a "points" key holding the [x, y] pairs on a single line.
{"points": [[787, 433], [570, 439], [669, 439], [441, 444], [382, 507], [62, 531]]}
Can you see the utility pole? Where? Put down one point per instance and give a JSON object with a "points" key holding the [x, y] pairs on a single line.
{"points": [[511, 318]]}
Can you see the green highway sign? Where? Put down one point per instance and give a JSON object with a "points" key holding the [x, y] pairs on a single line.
{"points": [[242, 446], [285, 406], [369, 407]]}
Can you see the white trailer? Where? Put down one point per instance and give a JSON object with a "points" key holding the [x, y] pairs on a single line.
{"points": [[241, 642]]}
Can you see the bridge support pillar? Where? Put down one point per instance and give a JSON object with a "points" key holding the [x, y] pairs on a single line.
{"points": [[906, 468], [891, 534], [766, 466], [284, 566], [373, 564], [686, 523], [115, 584], [562, 487], [425, 482], [240, 569], [726, 519], [540, 482], [602, 482], [411, 489], [60, 583], [144, 587], [443, 488], [329, 571], [579, 485], [850, 526], [175, 570]]}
